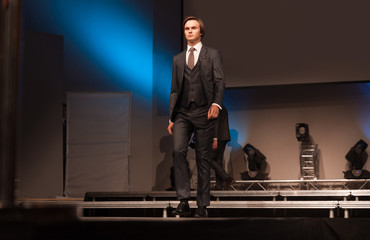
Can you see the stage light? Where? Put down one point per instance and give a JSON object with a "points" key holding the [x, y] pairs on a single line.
{"points": [[255, 157], [255, 161], [357, 158], [356, 155], [302, 132]]}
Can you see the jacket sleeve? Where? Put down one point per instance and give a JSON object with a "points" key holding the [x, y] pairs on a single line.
{"points": [[174, 90], [218, 78]]}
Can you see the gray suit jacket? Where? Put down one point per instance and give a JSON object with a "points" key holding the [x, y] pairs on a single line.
{"points": [[211, 73]]}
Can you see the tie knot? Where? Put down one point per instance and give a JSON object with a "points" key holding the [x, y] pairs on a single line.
{"points": [[192, 49]]}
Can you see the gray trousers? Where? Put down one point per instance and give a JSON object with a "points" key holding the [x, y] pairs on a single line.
{"points": [[203, 129]]}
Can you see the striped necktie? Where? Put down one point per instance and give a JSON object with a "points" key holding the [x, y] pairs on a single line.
{"points": [[191, 58]]}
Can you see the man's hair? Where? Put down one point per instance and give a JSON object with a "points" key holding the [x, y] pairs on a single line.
{"points": [[200, 21]]}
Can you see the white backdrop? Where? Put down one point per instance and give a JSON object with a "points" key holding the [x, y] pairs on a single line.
{"points": [[98, 142]]}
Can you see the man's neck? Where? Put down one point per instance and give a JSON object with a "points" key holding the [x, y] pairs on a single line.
{"points": [[192, 43]]}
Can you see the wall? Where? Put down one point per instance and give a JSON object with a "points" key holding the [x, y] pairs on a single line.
{"points": [[108, 47], [337, 114], [273, 42], [40, 135]]}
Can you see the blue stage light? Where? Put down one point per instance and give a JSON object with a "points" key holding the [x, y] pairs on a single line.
{"points": [[365, 115], [116, 36]]}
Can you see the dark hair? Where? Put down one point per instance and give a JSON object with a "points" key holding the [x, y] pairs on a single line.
{"points": [[200, 21]]}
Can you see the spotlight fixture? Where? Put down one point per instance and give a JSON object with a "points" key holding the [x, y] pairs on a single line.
{"points": [[302, 132], [255, 160], [357, 158], [356, 155], [255, 157]]}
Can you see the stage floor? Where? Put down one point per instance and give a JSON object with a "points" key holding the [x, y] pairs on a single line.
{"points": [[270, 209], [336, 198]]}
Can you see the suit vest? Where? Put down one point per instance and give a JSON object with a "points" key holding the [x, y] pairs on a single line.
{"points": [[192, 89]]}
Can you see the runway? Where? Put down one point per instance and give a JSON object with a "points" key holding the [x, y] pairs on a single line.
{"points": [[332, 198], [268, 209]]}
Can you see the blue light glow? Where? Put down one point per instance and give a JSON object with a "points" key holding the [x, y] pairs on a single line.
{"points": [[116, 36], [242, 132], [365, 115], [238, 121]]}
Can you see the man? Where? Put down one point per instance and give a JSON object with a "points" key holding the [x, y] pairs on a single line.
{"points": [[221, 137], [196, 95]]}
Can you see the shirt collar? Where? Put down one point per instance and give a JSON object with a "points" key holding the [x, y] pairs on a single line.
{"points": [[197, 46]]}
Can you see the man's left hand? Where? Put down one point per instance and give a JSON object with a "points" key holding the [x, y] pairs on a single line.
{"points": [[213, 112], [214, 144]]}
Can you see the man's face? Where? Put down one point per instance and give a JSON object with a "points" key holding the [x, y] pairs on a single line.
{"points": [[192, 32]]}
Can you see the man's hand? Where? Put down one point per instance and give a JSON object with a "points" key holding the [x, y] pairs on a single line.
{"points": [[213, 112], [214, 144], [169, 128]]}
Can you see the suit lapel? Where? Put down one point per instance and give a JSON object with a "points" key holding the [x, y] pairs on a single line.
{"points": [[202, 53]]}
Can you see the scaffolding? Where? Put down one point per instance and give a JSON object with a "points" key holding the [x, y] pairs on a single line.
{"points": [[309, 162]]}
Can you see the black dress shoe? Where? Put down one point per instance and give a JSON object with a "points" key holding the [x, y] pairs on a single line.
{"points": [[201, 212], [182, 209]]}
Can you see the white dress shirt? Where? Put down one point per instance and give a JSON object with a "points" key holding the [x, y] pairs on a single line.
{"points": [[197, 47]]}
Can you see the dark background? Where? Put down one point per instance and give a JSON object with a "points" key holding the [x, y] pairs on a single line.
{"points": [[273, 42]]}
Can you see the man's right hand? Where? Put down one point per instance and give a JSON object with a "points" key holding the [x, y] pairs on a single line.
{"points": [[169, 128]]}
